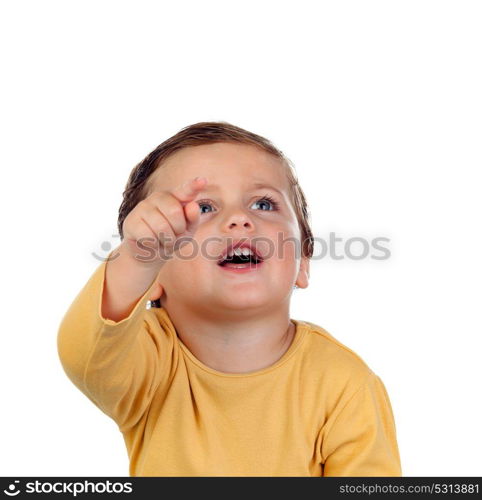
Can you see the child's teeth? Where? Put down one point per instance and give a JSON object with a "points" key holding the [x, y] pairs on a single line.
{"points": [[242, 251], [239, 251]]}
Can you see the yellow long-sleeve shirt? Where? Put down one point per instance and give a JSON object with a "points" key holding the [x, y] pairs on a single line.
{"points": [[317, 411]]}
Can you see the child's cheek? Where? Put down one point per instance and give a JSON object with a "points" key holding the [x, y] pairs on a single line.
{"points": [[288, 245], [196, 249], [188, 250]]}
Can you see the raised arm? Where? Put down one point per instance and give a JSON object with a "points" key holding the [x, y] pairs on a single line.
{"points": [[150, 230], [110, 346]]}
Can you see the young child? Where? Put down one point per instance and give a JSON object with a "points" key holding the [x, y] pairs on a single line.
{"points": [[218, 380]]}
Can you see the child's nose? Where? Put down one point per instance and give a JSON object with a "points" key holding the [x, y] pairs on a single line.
{"points": [[238, 218], [245, 224]]}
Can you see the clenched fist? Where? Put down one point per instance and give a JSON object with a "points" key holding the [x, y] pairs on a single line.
{"points": [[159, 220]]}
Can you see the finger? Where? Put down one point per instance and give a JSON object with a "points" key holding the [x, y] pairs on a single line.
{"points": [[187, 191], [159, 225], [172, 211], [141, 238], [137, 228], [193, 215]]}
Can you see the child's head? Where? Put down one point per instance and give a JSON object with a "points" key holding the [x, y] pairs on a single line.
{"points": [[233, 161]]}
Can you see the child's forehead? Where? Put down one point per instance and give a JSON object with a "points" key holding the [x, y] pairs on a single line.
{"points": [[222, 166]]}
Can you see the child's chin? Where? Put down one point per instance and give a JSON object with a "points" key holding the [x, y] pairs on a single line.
{"points": [[243, 302]]}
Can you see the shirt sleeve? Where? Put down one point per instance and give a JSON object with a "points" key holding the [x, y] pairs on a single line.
{"points": [[361, 440], [115, 364]]}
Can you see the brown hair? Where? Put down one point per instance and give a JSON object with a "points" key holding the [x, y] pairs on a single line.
{"points": [[137, 186]]}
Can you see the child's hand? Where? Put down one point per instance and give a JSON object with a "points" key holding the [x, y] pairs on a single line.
{"points": [[162, 218]]}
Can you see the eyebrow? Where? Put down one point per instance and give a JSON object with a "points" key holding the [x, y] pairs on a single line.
{"points": [[257, 185]]}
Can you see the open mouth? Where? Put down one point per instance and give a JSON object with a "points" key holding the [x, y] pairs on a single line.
{"points": [[241, 257], [237, 260]]}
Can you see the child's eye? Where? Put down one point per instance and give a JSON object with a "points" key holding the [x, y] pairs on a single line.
{"points": [[264, 199], [270, 200], [204, 203]]}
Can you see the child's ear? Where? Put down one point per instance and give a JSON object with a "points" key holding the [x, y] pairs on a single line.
{"points": [[303, 277]]}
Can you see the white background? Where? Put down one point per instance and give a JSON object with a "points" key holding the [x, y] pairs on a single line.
{"points": [[377, 103]]}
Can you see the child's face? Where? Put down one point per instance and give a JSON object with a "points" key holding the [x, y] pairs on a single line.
{"points": [[232, 209]]}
